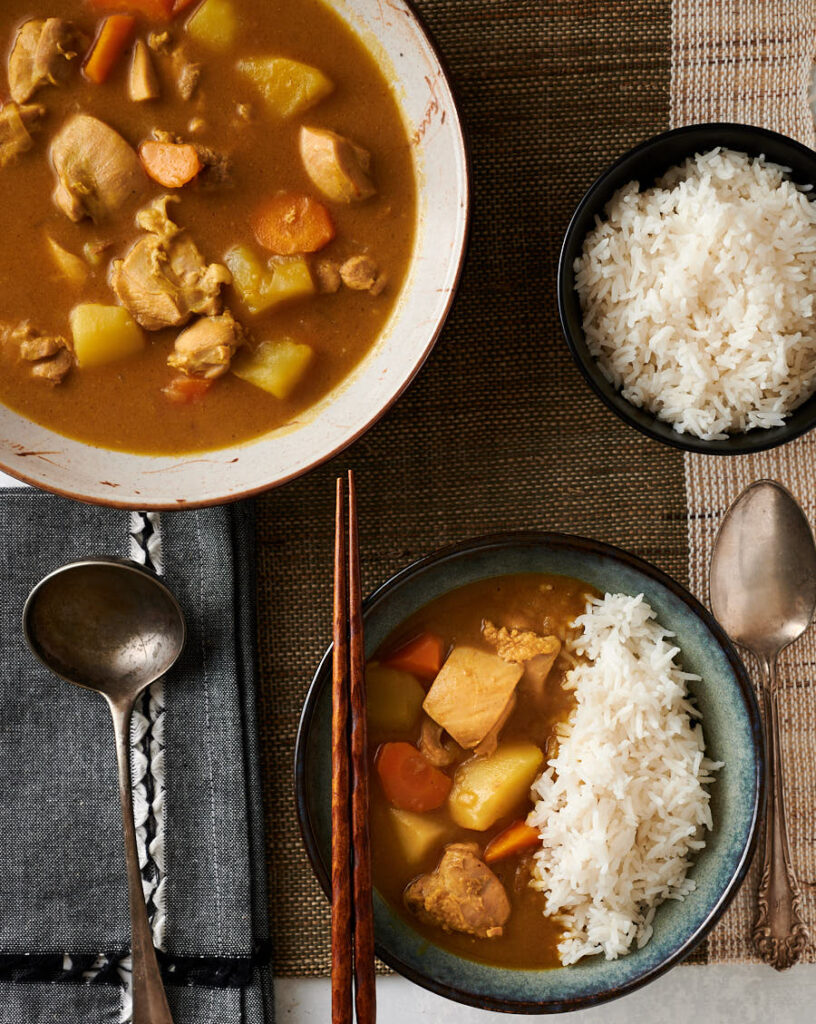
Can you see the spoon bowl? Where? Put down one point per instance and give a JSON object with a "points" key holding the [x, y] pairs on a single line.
{"points": [[763, 570], [105, 624], [112, 626]]}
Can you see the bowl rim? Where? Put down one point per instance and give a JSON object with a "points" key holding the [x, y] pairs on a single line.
{"points": [[744, 443], [586, 545], [458, 124]]}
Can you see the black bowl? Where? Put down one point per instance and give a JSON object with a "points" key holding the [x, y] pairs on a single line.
{"points": [[644, 164]]}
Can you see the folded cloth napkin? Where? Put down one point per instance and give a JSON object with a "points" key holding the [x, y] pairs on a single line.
{"points": [[64, 926]]}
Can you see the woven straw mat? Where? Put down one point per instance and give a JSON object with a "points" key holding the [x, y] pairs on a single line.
{"points": [[738, 60], [499, 430]]}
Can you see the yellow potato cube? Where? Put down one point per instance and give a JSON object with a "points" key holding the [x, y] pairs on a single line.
{"points": [[214, 24], [104, 334], [488, 788], [276, 366], [393, 699], [288, 86], [416, 835], [263, 287]]}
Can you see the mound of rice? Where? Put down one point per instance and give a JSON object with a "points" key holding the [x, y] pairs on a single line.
{"points": [[698, 294], [622, 807]]}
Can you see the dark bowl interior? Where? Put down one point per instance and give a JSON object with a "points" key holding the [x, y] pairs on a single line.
{"points": [[644, 164]]}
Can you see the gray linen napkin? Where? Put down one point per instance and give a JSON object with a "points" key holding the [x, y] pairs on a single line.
{"points": [[64, 930]]}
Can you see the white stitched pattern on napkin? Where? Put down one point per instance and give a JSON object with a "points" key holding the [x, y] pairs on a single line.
{"points": [[147, 766]]}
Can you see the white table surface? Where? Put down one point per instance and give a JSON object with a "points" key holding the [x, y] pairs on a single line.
{"points": [[687, 995]]}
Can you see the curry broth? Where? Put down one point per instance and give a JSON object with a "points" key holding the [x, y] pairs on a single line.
{"points": [[539, 602], [121, 405]]}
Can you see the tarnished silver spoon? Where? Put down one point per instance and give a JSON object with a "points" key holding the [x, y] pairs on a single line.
{"points": [[111, 626], [763, 591]]}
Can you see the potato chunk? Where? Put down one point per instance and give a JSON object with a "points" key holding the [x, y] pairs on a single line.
{"points": [[287, 86], [104, 334], [262, 287], [214, 24], [338, 167], [416, 834], [275, 366], [393, 699], [471, 693], [486, 789]]}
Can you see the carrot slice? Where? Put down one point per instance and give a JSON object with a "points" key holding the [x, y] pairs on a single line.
{"points": [[410, 782], [184, 390], [421, 656], [155, 10], [171, 164], [514, 839], [113, 37], [290, 223]]}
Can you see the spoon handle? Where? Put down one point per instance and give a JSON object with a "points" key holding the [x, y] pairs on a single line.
{"points": [[780, 934], [149, 999]]}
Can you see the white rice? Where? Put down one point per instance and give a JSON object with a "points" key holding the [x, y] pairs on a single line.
{"points": [[698, 294], [622, 807]]}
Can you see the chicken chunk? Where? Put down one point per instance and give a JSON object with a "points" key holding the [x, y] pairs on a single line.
{"points": [[519, 644], [44, 52], [362, 274], [461, 895], [327, 275], [50, 354], [537, 653], [338, 167], [206, 349], [470, 694], [164, 279], [143, 82], [188, 75], [431, 745], [16, 124], [98, 171]]}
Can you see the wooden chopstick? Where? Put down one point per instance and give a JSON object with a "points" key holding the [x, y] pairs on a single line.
{"points": [[365, 995], [341, 826], [352, 913]]}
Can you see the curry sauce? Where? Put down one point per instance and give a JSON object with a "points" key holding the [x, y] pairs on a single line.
{"points": [[531, 605]]}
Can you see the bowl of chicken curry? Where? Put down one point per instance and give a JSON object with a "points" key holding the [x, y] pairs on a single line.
{"points": [[236, 231], [554, 820]]}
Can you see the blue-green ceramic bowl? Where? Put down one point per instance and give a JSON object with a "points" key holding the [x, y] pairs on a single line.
{"points": [[732, 729]]}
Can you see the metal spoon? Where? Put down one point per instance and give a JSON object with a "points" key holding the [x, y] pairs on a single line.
{"points": [[763, 591], [111, 626]]}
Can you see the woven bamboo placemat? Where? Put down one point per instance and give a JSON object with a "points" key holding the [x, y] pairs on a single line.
{"points": [[738, 60], [499, 431]]}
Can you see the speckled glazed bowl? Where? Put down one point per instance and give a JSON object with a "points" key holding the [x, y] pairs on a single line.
{"points": [[42, 457], [732, 730]]}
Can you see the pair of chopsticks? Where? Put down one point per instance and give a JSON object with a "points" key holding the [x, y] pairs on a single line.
{"points": [[352, 932]]}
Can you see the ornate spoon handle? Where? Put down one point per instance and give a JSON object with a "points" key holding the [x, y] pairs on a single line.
{"points": [[780, 934]]}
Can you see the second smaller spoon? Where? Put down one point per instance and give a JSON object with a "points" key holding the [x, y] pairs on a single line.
{"points": [[763, 591]]}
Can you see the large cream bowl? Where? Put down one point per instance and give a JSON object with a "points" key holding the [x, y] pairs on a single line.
{"points": [[49, 460]]}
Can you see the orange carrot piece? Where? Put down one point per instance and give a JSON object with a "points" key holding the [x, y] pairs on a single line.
{"points": [[516, 838], [171, 164], [421, 656], [108, 46], [409, 781], [290, 223], [184, 390], [155, 10], [182, 5]]}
